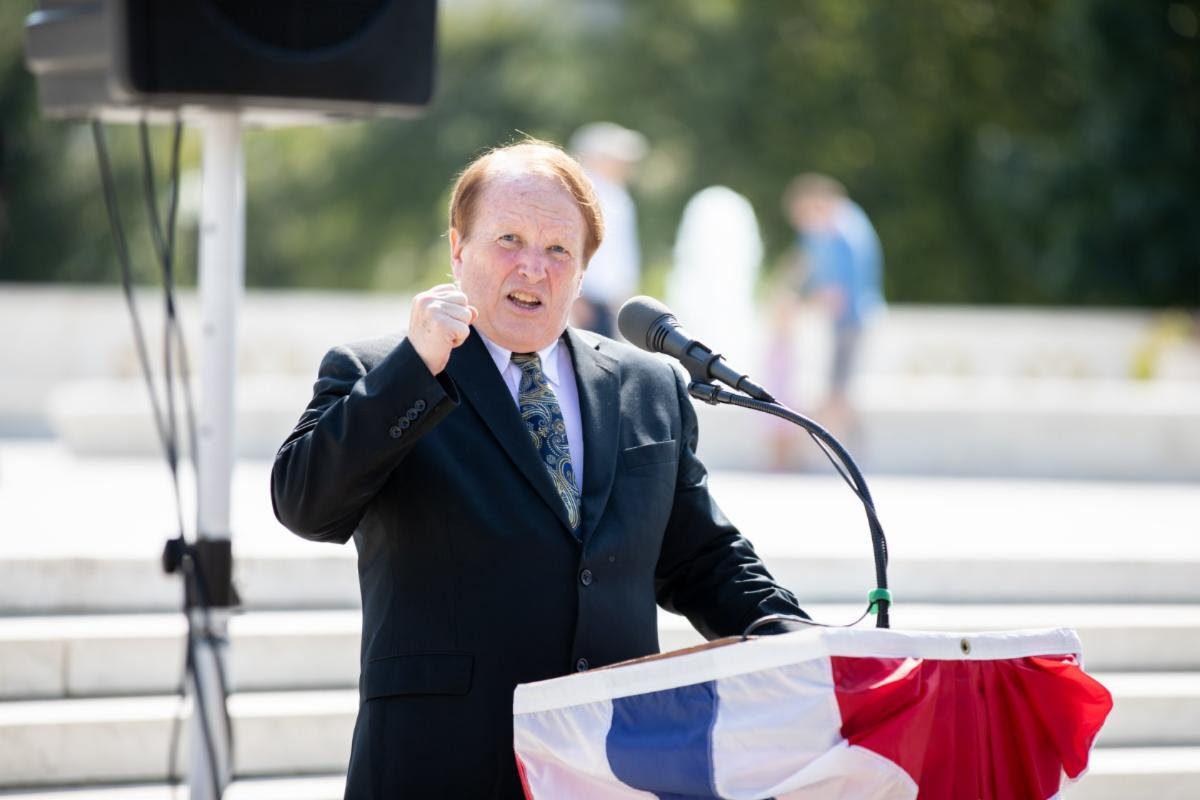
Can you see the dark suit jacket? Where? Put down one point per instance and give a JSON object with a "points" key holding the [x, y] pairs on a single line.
{"points": [[471, 579]]}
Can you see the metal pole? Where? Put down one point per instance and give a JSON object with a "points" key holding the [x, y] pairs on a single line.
{"points": [[222, 257]]}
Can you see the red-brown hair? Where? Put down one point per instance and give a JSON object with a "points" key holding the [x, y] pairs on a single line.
{"points": [[527, 157]]}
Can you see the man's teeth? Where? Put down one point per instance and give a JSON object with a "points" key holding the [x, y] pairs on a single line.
{"points": [[524, 299]]}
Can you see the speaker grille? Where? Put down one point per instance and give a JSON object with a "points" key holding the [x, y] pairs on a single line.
{"points": [[299, 25], [291, 53]]}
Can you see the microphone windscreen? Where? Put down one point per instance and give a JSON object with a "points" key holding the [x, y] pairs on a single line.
{"points": [[636, 320]]}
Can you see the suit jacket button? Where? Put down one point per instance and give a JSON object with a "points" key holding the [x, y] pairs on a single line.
{"points": [[581, 665], [403, 423], [585, 577], [395, 432], [412, 414], [419, 406]]}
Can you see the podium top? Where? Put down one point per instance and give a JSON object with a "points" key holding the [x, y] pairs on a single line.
{"points": [[724, 658]]}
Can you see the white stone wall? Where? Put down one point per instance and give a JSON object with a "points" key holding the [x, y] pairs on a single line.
{"points": [[52, 338], [942, 390]]}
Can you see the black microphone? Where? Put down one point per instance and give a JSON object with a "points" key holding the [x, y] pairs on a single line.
{"points": [[650, 325]]}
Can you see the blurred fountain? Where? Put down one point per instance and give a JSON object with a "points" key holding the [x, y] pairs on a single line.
{"points": [[718, 251]]}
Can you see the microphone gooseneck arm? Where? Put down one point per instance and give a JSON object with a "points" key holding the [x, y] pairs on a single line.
{"points": [[880, 599]]}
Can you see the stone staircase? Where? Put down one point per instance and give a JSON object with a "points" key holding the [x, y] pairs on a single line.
{"points": [[91, 648]]}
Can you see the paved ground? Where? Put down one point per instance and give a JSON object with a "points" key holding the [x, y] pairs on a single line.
{"points": [[1002, 542], [54, 504]]}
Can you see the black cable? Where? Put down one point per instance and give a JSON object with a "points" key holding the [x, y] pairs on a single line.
{"points": [[118, 231], [165, 425], [173, 778], [194, 573], [852, 475], [758, 623], [165, 246], [173, 340], [185, 370], [191, 573], [171, 438], [139, 339], [838, 467], [173, 336], [823, 437], [200, 582]]}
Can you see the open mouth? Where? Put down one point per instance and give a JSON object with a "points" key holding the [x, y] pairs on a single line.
{"points": [[523, 300]]}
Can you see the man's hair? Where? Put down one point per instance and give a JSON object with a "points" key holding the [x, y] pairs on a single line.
{"points": [[527, 157]]}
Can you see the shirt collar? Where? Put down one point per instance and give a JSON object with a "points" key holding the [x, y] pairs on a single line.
{"points": [[547, 355]]}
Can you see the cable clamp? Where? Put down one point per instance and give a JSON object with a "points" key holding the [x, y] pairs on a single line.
{"points": [[207, 568], [876, 596]]}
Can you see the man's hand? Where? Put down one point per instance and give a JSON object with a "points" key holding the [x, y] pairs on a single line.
{"points": [[439, 322]]}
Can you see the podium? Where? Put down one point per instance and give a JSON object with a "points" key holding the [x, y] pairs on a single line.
{"points": [[827, 713]]}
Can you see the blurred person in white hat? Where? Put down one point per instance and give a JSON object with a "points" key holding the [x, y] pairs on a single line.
{"points": [[609, 153]]}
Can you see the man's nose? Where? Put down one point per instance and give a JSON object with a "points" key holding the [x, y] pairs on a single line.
{"points": [[533, 266]]}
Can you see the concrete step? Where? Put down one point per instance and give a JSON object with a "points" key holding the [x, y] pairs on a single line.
{"points": [[83, 584], [58, 742], [312, 787], [951, 540], [55, 742], [1164, 773], [66, 585], [131, 654], [1124, 773], [1152, 710]]}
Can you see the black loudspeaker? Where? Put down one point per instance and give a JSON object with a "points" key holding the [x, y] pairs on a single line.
{"points": [[285, 60]]}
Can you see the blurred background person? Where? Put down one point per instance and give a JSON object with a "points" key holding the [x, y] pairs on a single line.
{"points": [[609, 154], [781, 313], [840, 272], [718, 253]]}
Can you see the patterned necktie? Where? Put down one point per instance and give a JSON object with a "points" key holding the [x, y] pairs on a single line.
{"points": [[544, 419]]}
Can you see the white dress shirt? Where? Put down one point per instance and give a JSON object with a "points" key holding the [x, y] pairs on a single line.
{"points": [[560, 374]]}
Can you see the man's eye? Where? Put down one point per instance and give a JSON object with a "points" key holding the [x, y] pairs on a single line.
{"points": [[558, 250], [508, 237]]}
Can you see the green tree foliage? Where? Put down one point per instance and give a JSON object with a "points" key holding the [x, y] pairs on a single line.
{"points": [[1027, 151], [53, 223]]}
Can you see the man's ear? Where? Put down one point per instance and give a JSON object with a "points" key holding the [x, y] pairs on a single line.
{"points": [[456, 246], [579, 282]]}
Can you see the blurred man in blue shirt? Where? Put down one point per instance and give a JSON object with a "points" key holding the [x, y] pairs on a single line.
{"points": [[843, 262]]}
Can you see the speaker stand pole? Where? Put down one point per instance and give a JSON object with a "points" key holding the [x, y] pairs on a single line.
{"points": [[221, 279]]}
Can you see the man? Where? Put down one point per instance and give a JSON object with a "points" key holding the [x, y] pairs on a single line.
{"points": [[520, 493], [609, 153], [843, 260]]}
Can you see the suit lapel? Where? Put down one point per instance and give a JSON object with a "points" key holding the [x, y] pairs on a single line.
{"points": [[597, 380], [473, 371]]}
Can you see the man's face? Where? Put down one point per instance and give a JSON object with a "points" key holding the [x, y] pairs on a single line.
{"points": [[521, 263], [813, 213]]}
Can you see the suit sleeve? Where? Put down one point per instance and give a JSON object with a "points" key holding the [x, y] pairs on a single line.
{"points": [[357, 428], [707, 570]]}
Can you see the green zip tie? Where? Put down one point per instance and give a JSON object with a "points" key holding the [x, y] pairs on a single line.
{"points": [[875, 596]]}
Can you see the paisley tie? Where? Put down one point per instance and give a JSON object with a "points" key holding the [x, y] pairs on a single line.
{"points": [[544, 419]]}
